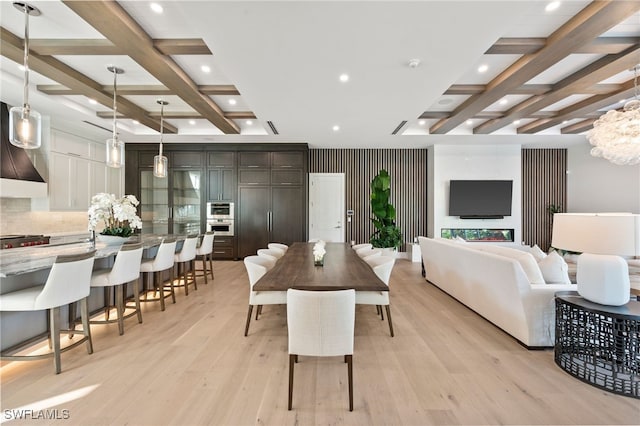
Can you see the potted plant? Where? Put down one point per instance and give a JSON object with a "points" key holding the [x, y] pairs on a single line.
{"points": [[117, 214], [387, 234]]}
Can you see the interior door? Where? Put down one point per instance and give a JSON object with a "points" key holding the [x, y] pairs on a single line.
{"points": [[326, 206]]}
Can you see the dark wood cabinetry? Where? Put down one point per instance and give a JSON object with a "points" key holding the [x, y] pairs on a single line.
{"points": [[268, 183]]}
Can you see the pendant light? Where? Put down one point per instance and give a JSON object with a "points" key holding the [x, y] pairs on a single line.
{"points": [[115, 147], [160, 161], [25, 124]]}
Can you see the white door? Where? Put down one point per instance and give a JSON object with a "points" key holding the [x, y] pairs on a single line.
{"points": [[326, 206]]}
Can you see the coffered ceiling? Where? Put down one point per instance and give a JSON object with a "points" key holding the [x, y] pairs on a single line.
{"points": [[419, 71]]}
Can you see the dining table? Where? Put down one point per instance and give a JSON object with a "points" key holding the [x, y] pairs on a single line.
{"points": [[342, 269]]}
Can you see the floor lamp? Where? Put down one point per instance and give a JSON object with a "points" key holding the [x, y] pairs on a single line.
{"points": [[602, 238]]}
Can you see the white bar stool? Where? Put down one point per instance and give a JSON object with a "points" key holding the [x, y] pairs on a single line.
{"points": [[185, 259], [162, 262], [68, 282], [205, 253], [126, 269]]}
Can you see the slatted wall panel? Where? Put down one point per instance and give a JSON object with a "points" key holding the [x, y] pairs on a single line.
{"points": [[408, 171], [544, 182]]}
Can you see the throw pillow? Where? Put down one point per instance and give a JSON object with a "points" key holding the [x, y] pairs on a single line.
{"points": [[537, 253], [554, 269]]}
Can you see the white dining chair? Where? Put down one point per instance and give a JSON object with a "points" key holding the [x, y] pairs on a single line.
{"points": [[204, 252], [273, 253], [366, 252], [256, 267], [185, 261], [278, 246], [357, 247], [321, 323], [163, 261], [68, 282], [382, 267], [125, 270]]}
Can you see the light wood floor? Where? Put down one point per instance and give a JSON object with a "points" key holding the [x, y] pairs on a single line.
{"points": [[191, 365]]}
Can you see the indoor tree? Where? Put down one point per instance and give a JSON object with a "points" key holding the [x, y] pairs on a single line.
{"points": [[386, 234]]}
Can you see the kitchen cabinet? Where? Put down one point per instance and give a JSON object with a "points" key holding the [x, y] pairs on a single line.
{"points": [[68, 182], [223, 247], [221, 184]]}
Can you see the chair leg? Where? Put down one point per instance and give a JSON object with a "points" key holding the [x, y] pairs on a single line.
{"points": [[173, 290], [84, 313], [136, 297], [350, 374], [120, 308], [246, 327], [159, 285], [381, 314], [292, 361], [258, 311], [204, 268], [211, 264], [192, 267], [389, 319], [54, 319]]}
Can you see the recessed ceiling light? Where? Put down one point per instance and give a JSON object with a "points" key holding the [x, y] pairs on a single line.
{"points": [[232, 102], [550, 7], [516, 121], [344, 78], [483, 68], [503, 101], [336, 128], [248, 122], [205, 68], [422, 122], [469, 122], [156, 7], [93, 101], [135, 122], [192, 122]]}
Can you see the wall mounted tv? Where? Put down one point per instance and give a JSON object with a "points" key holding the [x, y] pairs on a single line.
{"points": [[480, 199]]}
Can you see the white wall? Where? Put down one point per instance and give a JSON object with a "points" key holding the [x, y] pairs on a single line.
{"points": [[490, 162], [596, 185]]}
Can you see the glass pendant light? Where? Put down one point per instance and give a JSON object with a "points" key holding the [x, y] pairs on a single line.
{"points": [[115, 147], [160, 161], [25, 124]]}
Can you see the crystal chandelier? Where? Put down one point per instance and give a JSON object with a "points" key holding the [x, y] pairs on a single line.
{"points": [[616, 135], [25, 124], [160, 161], [115, 146]]}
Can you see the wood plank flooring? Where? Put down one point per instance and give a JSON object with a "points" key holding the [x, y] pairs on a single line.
{"points": [[191, 365]]}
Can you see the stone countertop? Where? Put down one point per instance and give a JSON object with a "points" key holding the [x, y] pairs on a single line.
{"points": [[30, 259]]}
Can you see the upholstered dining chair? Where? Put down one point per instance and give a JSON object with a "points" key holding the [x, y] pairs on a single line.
{"points": [[68, 282], [204, 252], [357, 247], [278, 246], [321, 323], [370, 251], [256, 267], [125, 270], [382, 266], [156, 266], [185, 259], [273, 253]]}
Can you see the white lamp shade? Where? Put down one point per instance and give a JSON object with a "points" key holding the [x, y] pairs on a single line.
{"points": [[160, 166], [597, 233], [115, 153], [25, 128]]}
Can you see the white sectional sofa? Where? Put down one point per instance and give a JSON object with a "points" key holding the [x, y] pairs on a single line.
{"points": [[493, 282]]}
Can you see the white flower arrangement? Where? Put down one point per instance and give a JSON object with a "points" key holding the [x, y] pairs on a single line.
{"points": [[118, 214], [319, 251]]}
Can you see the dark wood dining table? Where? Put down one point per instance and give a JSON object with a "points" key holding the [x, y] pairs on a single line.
{"points": [[343, 269]]}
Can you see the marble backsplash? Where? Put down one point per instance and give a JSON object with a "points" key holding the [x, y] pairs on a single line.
{"points": [[16, 217]]}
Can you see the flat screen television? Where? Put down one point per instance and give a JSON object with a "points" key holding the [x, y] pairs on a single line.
{"points": [[480, 199]]}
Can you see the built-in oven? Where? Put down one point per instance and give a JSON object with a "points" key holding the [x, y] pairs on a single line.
{"points": [[219, 210], [220, 226]]}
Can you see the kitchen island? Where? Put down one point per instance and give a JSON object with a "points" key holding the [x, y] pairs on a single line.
{"points": [[28, 266]]}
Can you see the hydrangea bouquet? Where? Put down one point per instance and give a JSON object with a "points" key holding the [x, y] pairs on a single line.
{"points": [[118, 214]]}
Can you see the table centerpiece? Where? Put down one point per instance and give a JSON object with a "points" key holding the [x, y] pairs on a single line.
{"points": [[117, 214]]}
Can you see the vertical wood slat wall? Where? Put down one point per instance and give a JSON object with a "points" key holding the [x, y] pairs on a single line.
{"points": [[408, 171], [544, 182]]}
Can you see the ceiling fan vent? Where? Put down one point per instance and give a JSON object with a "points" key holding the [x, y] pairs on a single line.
{"points": [[400, 126], [273, 128]]}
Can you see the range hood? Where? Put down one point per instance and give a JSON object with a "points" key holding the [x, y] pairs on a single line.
{"points": [[18, 177]]}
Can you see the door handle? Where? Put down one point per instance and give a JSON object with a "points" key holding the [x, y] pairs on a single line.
{"points": [[337, 227]]}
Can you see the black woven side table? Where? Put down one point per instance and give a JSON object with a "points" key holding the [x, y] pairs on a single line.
{"points": [[599, 344]]}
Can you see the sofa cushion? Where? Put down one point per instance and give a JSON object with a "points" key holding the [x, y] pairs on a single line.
{"points": [[537, 253], [554, 269], [526, 260]]}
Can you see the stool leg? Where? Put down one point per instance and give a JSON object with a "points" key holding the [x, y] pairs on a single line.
{"points": [[136, 297], [184, 277], [54, 314], [210, 255], [120, 308], [107, 302], [192, 265], [204, 268], [160, 287], [84, 312], [173, 291]]}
